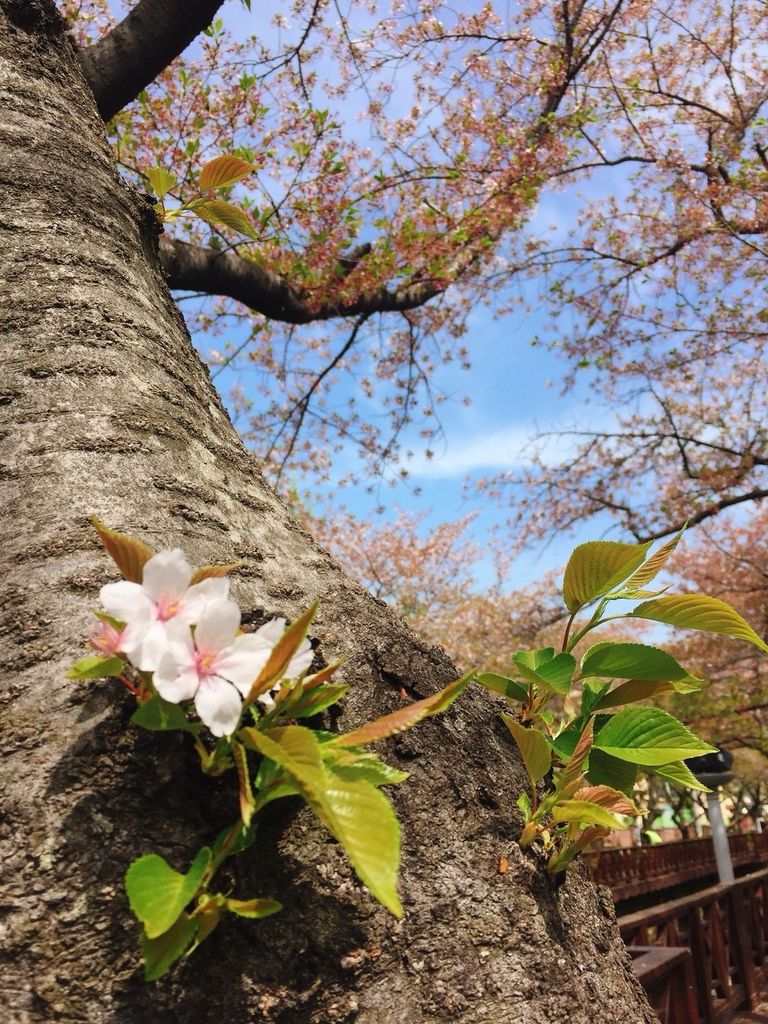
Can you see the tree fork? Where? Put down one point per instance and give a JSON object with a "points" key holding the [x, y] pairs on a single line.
{"points": [[106, 410], [145, 42]]}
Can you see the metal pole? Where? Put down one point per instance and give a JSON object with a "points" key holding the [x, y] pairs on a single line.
{"points": [[720, 838]]}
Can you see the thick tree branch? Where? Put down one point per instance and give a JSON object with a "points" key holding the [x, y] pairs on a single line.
{"points": [[200, 269], [706, 513], [142, 45]]}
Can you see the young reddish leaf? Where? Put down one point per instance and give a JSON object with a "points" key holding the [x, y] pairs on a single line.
{"points": [[652, 566], [559, 861], [209, 572], [129, 554], [323, 675], [607, 797], [223, 171], [582, 812], [640, 689], [247, 803], [406, 717], [281, 655], [571, 773]]}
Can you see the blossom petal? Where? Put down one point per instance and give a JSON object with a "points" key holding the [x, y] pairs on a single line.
{"points": [[126, 601], [167, 574], [270, 632], [197, 599], [174, 685], [147, 643], [242, 661], [217, 626], [301, 661], [219, 705]]}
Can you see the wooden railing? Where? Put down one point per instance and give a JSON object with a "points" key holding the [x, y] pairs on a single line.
{"points": [[725, 930], [666, 974], [633, 870]]}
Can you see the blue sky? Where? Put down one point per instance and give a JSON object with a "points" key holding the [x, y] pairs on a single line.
{"points": [[514, 392]]}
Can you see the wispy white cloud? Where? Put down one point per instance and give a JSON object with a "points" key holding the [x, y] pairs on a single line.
{"points": [[512, 447]]}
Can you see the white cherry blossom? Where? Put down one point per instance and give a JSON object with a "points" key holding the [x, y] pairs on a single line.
{"points": [[154, 610], [217, 667]]}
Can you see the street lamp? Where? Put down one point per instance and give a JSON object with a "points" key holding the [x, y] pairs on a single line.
{"points": [[714, 770]]}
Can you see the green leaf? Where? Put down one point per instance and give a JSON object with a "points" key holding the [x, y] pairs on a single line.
{"points": [[96, 666], [246, 838], [128, 553], [356, 813], [679, 773], [160, 952], [604, 770], [160, 715], [217, 211], [304, 704], [160, 180], [407, 716], [535, 658], [254, 908], [592, 693], [652, 566], [358, 765], [223, 171], [585, 813], [534, 748], [648, 737], [634, 661], [698, 611], [500, 684], [158, 894], [641, 689], [555, 674], [363, 820], [596, 567]]}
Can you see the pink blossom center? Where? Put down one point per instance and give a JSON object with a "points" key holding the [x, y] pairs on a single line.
{"points": [[166, 608], [205, 663]]}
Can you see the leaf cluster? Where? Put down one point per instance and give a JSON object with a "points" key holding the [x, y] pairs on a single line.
{"points": [[589, 759], [273, 757]]}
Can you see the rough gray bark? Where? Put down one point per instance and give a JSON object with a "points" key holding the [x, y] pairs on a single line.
{"points": [[105, 409]]}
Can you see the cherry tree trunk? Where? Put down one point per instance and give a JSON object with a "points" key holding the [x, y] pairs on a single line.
{"points": [[105, 409]]}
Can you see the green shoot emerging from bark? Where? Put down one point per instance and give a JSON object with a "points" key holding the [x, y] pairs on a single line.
{"points": [[171, 635], [583, 762]]}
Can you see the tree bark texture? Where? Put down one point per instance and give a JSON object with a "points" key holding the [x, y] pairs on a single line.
{"points": [[105, 409]]}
